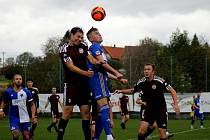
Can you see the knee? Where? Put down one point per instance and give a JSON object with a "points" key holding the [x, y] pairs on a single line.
{"points": [[15, 134], [86, 115], [141, 132], [26, 137], [66, 113]]}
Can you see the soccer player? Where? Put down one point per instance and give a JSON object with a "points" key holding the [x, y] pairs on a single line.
{"points": [[155, 109], [98, 83], [17, 98], [35, 94], [54, 99], [74, 55], [192, 108], [124, 108], [198, 112], [151, 127]]}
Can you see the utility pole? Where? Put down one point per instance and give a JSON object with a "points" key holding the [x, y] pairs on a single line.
{"points": [[206, 75], [3, 62]]}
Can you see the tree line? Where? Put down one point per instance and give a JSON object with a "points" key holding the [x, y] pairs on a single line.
{"points": [[183, 62]]}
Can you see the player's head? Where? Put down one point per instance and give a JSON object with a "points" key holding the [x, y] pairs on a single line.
{"points": [[29, 83], [75, 36], [199, 94], [149, 70], [17, 80], [93, 35], [53, 90]]}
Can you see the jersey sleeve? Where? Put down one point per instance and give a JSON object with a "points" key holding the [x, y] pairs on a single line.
{"points": [[63, 53], [137, 87], [95, 50], [86, 51], [5, 97], [166, 85], [29, 96]]}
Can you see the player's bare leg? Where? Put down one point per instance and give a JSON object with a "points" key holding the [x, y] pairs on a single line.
{"points": [[162, 133], [25, 135], [142, 130], [15, 134]]}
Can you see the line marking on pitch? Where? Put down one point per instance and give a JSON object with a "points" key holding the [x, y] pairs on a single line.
{"points": [[180, 132]]}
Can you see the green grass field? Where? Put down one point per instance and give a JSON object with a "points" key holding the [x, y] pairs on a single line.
{"points": [[74, 131]]}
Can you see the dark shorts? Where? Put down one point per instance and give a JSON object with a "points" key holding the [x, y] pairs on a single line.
{"points": [[152, 115], [77, 94], [55, 113], [125, 112]]}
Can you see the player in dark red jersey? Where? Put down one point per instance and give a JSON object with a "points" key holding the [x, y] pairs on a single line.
{"points": [[124, 108], [74, 55], [155, 109], [54, 99], [35, 94]]}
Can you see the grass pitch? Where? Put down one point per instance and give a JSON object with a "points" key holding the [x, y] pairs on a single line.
{"points": [[180, 128]]}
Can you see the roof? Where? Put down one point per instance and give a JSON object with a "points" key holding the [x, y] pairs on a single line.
{"points": [[114, 52]]}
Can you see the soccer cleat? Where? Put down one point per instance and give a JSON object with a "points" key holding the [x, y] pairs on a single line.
{"points": [[123, 125], [49, 129], [191, 126], [201, 126], [113, 136], [169, 135]]}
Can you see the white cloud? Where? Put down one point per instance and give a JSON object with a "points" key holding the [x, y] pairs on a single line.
{"points": [[26, 25]]}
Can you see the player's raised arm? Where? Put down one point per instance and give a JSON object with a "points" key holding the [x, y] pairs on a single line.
{"points": [[122, 80], [108, 67]]}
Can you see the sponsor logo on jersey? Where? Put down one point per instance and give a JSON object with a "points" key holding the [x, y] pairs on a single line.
{"points": [[153, 86], [81, 50]]}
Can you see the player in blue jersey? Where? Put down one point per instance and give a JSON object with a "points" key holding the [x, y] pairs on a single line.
{"points": [[198, 111], [98, 82], [17, 98]]}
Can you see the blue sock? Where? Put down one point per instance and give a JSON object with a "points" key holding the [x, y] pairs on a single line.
{"points": [[105, 118], [98, 127], [201, 119]]}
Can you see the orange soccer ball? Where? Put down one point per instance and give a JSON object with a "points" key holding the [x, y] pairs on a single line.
{"points": [[98, 13]]}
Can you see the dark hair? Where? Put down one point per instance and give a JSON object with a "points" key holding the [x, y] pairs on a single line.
{"points": [[150, 64], [16, 75], [68, 34], [90, 31], [29, 79]]}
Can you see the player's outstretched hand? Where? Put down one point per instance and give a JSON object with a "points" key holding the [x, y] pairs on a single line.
{"points": [[117, 91], [89, 73], [124, 81], [119, 75]]}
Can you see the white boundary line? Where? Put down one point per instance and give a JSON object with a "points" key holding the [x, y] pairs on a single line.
{"points": [[180, 132]]}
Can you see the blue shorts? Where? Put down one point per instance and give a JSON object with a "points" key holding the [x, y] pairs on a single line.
{"points": [[20, 126], [200, 115], [98, 85]]}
